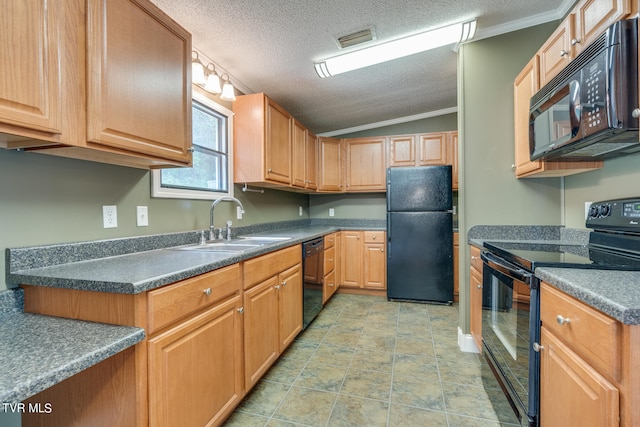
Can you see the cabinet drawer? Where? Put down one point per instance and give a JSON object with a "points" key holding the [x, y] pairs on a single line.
{"points": [[329, 240], [476, 262], [329, 259], [172, 302], [593, 335], [259, 269], [374, 236]]}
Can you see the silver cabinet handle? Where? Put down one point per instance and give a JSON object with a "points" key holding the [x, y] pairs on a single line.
{"points": [[207, 291], [276, 287], [191, 149], [331, 285], [475, 257], [562, 320], [537, 347], [636, 113], [241, 310], [563, 53], [479, 286], [575, 42], [284, 283]]}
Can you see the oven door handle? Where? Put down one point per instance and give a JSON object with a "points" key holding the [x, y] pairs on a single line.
{"points": [[506, 268]]}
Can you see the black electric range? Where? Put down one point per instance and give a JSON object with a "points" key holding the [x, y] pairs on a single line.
{"points": [[614, 243]]}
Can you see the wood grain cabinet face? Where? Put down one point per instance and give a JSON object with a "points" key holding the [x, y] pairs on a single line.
{"points": [[138, 83], [365, 164], [278, 144], [330, 165], [30, 93], [475, 296], [305, 157], [433, 149], [363, 260], [402, 151], [195, 369]]}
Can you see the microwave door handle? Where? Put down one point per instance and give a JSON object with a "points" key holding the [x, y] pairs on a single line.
{"points": [[575, 107]]}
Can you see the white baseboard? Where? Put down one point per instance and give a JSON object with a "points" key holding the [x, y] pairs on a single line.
{"points": [[466, 343]]}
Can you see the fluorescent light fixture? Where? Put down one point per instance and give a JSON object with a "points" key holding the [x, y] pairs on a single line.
{"points": [[456, 33]]}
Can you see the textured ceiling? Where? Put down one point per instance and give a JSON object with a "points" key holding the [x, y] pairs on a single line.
{"points": [[270, 46]]}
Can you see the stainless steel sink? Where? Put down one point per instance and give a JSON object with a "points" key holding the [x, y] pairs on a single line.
{"points": [[238, 245]]}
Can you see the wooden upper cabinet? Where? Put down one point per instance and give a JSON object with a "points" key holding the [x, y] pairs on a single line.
{"points": [[365, 164], [453, 156], [401, 151], [330, 164], [42, 89], [138, 80], [557, 51], [311, 162], [299, 147], [433, 149], [525, 85], [593, 17], [262, 141], [304, 163]]}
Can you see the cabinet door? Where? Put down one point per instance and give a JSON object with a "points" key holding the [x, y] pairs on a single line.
{"points": [[31, 41], [375, 272], [572, 393], [557, 51], [453, 155], [138, 80], [593, 17], [524, 86], [402, 151], [278, 144], [365, 164], [299, 147], [475, 306], [261, 347], [351, 259], [433, 149], [330, 165], [311, 162], [195, 369], [329, 286], [290, 305]]}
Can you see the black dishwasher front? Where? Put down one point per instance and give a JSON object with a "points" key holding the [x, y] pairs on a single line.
{"points": [[313, 274]]}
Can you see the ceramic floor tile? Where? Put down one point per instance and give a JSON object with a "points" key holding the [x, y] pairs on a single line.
{"points": [[372, 360], [370, 384], [328, 377], [306, 406], [350, 411], [406, 416], [264, 398], [365, 361]]}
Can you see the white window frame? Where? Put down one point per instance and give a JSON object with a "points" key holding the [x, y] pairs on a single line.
{"points": [[182, 193]]}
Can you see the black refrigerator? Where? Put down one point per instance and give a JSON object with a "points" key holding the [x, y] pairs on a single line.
{"points": [[419, 234]]}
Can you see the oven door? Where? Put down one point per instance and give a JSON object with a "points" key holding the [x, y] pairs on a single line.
{"points": [[510, 323]]}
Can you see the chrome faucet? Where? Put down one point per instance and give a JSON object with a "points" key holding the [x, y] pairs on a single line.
{"points": [[212, 233]]}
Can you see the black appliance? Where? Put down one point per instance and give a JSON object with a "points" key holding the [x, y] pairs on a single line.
{"points": [[420, 234], [313, 275], [511, 305], [587, 111]]}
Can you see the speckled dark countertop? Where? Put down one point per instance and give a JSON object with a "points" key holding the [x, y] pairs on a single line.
{"points": [[615, 293], [40, 351], [87, 265]]}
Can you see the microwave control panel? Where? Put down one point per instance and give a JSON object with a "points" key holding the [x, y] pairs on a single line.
{"points": [[593, 94]]}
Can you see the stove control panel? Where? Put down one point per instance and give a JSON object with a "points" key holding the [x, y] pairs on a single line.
{"points": [[615, 215]]}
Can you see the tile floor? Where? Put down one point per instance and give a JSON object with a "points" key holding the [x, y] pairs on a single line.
{"points": [[365, 361]]}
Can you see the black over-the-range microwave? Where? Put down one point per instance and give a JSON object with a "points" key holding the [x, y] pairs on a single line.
{"points": [[590, 110]]}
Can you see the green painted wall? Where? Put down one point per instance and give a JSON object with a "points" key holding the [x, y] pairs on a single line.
{"points": [[617, 179], [46, 199], [489, 192]]}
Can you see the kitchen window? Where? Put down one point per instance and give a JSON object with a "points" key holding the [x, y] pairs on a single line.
{"points": [[210, 177]]}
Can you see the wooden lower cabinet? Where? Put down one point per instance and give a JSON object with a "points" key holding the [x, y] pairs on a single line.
{"points": [[195, 368], [272, 309], [363, 262], [475, 297], [330, 281], [572, 392]]}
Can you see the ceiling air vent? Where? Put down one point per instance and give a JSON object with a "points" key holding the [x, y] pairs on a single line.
{"points": [[358, 37]]}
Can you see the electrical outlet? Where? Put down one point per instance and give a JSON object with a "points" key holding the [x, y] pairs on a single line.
{"points": [[300, 210], [238, 212], [142, 216], [587, 206], [110, 216], [332, 212]]}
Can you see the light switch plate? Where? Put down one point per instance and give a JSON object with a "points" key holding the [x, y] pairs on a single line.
{"points": [[332, 212], [142, 216]]}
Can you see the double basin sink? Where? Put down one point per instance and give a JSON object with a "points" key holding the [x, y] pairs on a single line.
{"points": [[238, 245]]}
